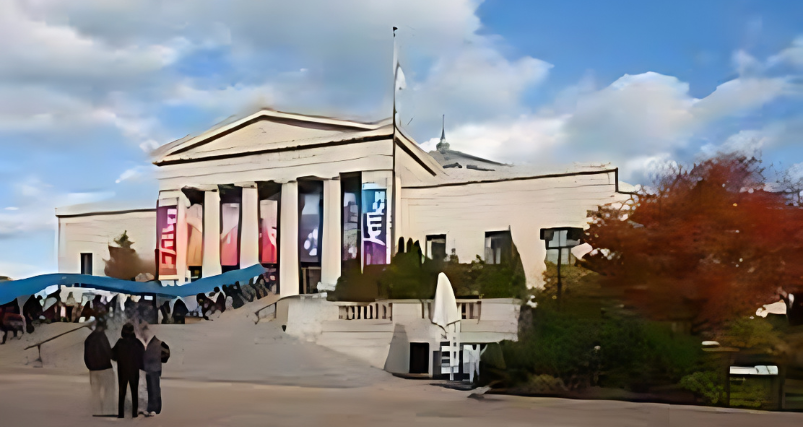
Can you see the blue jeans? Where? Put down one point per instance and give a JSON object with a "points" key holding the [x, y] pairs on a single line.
{"points": [[152, 380]]}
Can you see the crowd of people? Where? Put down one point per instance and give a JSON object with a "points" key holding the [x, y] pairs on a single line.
{"points": [[38, 310]]}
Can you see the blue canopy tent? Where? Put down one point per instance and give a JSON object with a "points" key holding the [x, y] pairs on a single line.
{"points": [[15, 288]]}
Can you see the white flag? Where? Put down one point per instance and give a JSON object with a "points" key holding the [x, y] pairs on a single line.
{"points": [[401, 83]]}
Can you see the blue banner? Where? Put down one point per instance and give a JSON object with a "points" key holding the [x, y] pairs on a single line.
{"points": [[15, 288]]}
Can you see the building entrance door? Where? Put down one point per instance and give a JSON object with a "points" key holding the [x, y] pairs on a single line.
{"points": [[419, 358]]}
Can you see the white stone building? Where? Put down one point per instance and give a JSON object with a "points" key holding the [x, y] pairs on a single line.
{"points": [[307, 197]]}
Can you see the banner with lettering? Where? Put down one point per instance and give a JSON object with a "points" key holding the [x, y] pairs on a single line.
{"points": [[166, 220], [374, 226]]}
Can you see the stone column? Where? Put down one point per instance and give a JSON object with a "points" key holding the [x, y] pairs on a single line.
{"points": [[332, 224], [211, 252], [182, 240], [288, 240], [249, 229]]}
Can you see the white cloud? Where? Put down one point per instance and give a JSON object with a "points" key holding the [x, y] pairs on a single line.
{"points": [[12, 208], [625, 123], [136, 172], [515, 140], [475, 84], [748, 142], [234, 99], [36, 206], [43, 51], [742, 95], [746, 64], [649, 166], [792, 55]]}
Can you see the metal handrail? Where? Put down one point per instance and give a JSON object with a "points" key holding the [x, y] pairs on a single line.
{"points": [[39, 344], [256, 313]]}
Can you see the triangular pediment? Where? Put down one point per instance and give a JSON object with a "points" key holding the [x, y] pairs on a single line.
{"points": [[265, 131]]}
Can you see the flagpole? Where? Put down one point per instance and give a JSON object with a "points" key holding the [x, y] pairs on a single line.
{"points": [[395, 75], [393, 233]]}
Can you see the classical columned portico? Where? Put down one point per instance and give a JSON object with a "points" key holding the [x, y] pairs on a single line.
{"points": [[331, 247], [288, 241]]}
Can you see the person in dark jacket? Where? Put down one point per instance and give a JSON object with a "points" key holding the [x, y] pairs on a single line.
{"points": [[220, 301], [10, 319], [236, 296], [180, 311], [204, 305], [165, 310], [129, 308], [128, 353], [98, 359], [152, 365], [31, 311]]}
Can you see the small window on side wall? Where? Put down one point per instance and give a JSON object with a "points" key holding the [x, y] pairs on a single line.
{"points": [[436, 247], [559, 243], [86, 263], [498, 246]]}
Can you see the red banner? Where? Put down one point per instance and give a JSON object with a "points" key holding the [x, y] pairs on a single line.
{"points": [[166, 219]]}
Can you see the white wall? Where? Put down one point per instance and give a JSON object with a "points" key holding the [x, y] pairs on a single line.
{"points": [[465, 212], [94, 233], [499, 320], [323, 162]]}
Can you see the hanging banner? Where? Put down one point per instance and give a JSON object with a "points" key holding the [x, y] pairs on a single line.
{"points": [[374, 226], [268, 230], [229, 234], [166, 219], [351, 226], [195, 235]]}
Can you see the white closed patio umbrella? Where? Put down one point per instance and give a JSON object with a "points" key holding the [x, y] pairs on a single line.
{"points": [[446, 315]]}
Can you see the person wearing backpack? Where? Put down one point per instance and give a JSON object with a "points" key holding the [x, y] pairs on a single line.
{"points": [[156, 353]]}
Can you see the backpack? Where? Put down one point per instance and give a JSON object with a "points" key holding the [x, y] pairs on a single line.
{"points": [[165, 352]]}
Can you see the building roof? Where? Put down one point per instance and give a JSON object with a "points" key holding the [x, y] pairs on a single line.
{"points": [[115, 207], [445, 165], [315, 129]]}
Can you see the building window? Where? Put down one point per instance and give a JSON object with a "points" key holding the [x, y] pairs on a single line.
{"points": [[86, 263], [436, 247], [559, 243], [498, 246]]}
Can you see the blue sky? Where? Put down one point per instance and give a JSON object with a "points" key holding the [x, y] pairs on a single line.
{"points": [[89, 87]]}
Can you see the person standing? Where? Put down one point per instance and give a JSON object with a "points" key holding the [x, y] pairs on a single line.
{"points": [[32, 310], [152, 365], [98, 359], [70, 309], [179, 312], [128, 352]]}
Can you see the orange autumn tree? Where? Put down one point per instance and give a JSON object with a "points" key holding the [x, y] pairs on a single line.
{"points": [[705, 245]]}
